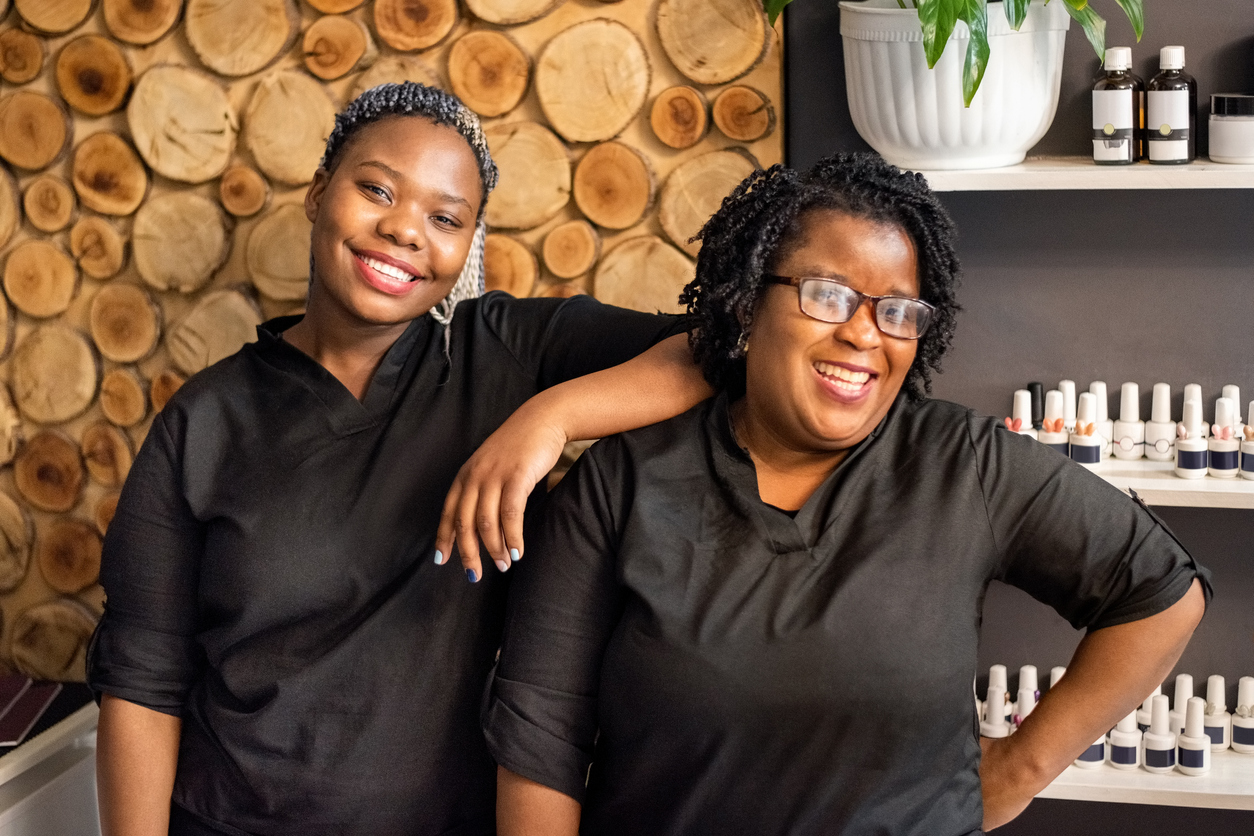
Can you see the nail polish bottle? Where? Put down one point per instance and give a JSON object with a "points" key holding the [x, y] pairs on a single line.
{"points": [[997, 679], [994, 723], [1024, 706], [1243, 718], [1027, 679], [1247, 447], [1055, 674], [1130, 429], [1037, 391], [1160, 430], [1184, 693], [1225, 457], [1218, 721], [1125, 743], [1094, 756], [1193, 392], [1053, 434], [1105, 426], [1144, 713], [1194, 745], [1159, 743], [1020, 420], [1191, 446], [1067, 387], [1233, 393], [1086, 443]]}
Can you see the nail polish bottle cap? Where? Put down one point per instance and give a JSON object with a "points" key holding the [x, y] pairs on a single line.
{"points": [[997, 677], [1088, 408], [1184, 691], [1098, 388], [1245, 691], [1193, 392], [1130, 403], [1233, 393], [1128, 724], [1053, 405], [995, 705], [1160, 719], [1022, 409], [1195, 717], [1192, 418], [1055, 674], [1067, 387], [1027, 701], [1027, 678], [1223, 412], [1215, 693], [1038, 403], [1161, 410], [1148, 705], [1171, 58]]}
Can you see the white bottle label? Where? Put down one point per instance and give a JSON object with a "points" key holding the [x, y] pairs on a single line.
{"points": [[1167, 123], [1113, 115]]}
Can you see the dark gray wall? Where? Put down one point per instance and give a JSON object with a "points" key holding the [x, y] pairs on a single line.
{"points": [[1117, 286]]}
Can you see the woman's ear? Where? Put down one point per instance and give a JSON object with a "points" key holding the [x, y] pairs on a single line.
{"points": [[313, 197]]}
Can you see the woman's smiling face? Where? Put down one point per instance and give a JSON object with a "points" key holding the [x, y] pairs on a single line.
{"points": [[393, 220], [821, 386]]}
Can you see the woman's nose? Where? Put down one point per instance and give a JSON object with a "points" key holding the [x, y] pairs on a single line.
{"points": [[860, 331], [403, 227]]}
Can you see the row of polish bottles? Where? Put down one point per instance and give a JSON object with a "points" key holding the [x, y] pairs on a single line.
{"points": [[1156, 736], [1130, 124], [1083, 431]]}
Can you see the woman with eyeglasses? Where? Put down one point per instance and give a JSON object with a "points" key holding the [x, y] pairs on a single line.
{"points": [[762, 616]]}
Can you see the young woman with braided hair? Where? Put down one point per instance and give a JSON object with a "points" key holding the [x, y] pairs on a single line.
{"points": [[282, 650], [762, 616]]}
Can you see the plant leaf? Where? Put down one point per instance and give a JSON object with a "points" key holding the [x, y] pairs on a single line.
{"points": [[1136, 14], [1092, 23], [937, 18], [774, 7], [974, 14], [1017, 12]]}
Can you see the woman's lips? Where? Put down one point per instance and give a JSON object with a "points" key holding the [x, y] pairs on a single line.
{"points": [[375, 277], [843, 383]]}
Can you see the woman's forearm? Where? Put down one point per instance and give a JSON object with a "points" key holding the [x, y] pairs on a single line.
{"points": [[525, 808], [136, 756], [1111, 672]]}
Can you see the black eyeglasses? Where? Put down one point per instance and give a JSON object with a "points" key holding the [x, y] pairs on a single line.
{"points": [[828, 300]]}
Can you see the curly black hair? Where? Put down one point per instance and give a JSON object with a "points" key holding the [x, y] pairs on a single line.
{"points": [[410, 98], [761, 217]]}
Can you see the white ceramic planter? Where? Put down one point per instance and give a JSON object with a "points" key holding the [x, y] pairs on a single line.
{"points": [[915, 117]]}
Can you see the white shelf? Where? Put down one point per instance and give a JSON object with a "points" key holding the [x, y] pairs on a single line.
{"points": [[1228, 786], [1041, 173], [1157, 484]]}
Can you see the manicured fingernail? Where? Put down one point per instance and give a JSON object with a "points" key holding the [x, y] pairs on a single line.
{"points": [[514, 555], [502, 565], [471, 576], [439, 558]]}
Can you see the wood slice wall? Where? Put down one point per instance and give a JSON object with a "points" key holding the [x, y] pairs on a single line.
{"points": [[153, 156]]}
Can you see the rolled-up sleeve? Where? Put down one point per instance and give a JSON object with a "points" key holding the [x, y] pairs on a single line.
{"points": [[540, 709], [144, 650]]}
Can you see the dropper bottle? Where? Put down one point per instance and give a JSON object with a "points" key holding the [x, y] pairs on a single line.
{"points": [[1192, 742], [1125, 743], [1160, 741], [1171, 118]]}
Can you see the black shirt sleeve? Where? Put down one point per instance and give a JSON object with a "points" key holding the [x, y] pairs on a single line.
{"points": [[540, 717], [144, 650], [555, 340], [1072, 540]]}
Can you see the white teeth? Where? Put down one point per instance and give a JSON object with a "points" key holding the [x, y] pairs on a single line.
{"points": [[842, 377], [388, 270]]}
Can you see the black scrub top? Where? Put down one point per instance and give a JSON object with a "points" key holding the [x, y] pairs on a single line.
{"points": [[270, 576], [726, 668]]}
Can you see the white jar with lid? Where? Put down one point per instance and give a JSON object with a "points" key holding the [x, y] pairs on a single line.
{"points": [[1232, 128]]}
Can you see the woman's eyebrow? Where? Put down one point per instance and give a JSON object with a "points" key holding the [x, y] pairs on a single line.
{"points": [[396, 175]]}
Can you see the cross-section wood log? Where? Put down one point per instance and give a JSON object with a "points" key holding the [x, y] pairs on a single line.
{"points": [[592, 79], [122, 398], [49, 203], [182, 123], [7, 327], [34, 129], [140, 22], [695, 190], [50, 640], [614, 185], [571, 249], [334, 46], [98, 247], [411, 25], [713, 41], [243, 191], [393, 69], [11, 432], [335, 7], [69, 555], [108, 175], [10, 211], [93, 75], [217, 327], [164, 385], [40, 279], [105, 510], [16, 534], [54, 374], [508, 265], [54, 17], [277, 254], [535, 175], [488, 71], [644, 273], [679, 117], [125, 322], [287, 125], [510, 12], [179, 240], [240, 37], [21, 56], [48, 471], [744, 114], [107, 453]]}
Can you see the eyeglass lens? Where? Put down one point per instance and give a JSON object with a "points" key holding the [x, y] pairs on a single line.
{"points": [[832, 301]]}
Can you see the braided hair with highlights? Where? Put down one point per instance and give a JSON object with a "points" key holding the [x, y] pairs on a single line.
{"points": [[413, 99], [760, 219]]}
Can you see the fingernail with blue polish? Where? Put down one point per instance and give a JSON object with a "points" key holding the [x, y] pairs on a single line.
{"points": [[502, 565], [471, 576], [513, 555], [439, 558]]}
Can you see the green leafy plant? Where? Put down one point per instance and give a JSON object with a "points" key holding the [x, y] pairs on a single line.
{"points": [[938, 18]]}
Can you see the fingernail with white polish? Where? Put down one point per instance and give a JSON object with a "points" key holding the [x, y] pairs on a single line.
{"points": [[439, 558], [502, 565], [513, 555]]}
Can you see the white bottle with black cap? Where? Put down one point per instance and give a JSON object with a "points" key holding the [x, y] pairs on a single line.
{"points": [[1067, 387], [1243, 717], [1117, 103], [1193, 756], [994, 723], [1171, 111], [1158, 747], [1105, 426], [1020, 420], [1193, 392], [1247, 447], [1160, 430], [1130, 429], [1144, 713], [1184, 693], [1125, 743], [1225, 451], [1218, 720], [1191, 446], [1086, 443], [1053, 433]]}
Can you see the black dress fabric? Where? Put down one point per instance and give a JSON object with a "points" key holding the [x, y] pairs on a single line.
{"points": [[723, 671], [270, 577]]}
